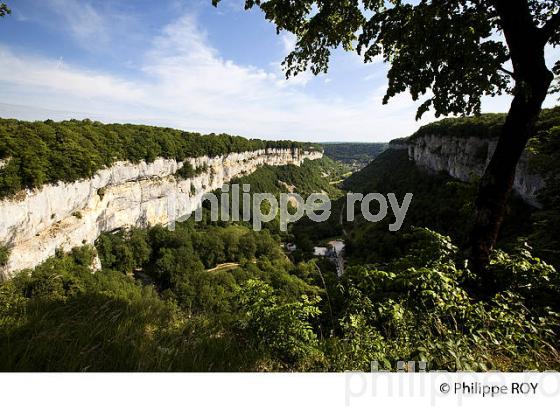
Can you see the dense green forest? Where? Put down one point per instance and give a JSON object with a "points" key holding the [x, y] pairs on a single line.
{"points": [[446, 205], [154, 307], [439, 203], [312, 176], [217, 296], [47, 152], [354, 154], [484, 125], [323, 175]]}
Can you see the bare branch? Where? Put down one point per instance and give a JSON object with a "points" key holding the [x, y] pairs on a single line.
{"points": [[510, 73]]}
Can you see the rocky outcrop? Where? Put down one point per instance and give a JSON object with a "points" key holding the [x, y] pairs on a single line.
{"points": [[34, 224], [466, 157]]}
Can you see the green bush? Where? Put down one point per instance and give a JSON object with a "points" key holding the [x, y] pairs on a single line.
{"points": [[61, 317], [186, 171], [4, 255], [418, 308], [281, 329]]}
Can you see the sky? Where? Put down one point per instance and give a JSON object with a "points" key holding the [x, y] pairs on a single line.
{"points": [[188, 65]]}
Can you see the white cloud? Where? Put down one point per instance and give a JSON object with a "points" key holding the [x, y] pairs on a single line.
{"points": [[86, 24], [185, 83], [39, 73]]}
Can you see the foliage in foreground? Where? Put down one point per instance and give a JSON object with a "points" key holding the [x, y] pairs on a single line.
{"points": [[417, 307]]}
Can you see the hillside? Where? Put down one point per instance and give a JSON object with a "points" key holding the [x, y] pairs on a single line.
{"points": [[440, 164], [355, 155], [185, 300], [156, 306], [122, 176], [440, 202], [320, 175], [36, 153], [483, 125]]}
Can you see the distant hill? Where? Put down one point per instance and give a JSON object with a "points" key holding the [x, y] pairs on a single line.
{"points": [[356, 155]]}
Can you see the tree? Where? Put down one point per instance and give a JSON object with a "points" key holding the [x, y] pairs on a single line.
{"points": [[247, 246], [4, 255], [4, 10], [451, 53], [282, 329]]}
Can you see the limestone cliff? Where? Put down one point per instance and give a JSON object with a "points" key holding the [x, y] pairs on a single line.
{"points": [[36, 223], [467, 157]]}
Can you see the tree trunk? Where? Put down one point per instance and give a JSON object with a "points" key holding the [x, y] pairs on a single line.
{"points": [[497, 181], [532, 80]]}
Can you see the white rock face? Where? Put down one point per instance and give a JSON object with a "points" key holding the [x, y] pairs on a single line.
{"points": [[467, 157], [36, 223]]}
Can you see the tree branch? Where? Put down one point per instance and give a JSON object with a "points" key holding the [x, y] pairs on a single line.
{"points": [[550, 27], [4, 10], [510, 73]]}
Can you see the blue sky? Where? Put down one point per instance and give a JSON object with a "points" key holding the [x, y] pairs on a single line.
{"points": [[188, 65]]}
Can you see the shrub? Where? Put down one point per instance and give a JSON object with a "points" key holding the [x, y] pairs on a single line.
{"points": [[186, 171], [4, 255], [281, 329], [418, 308]]}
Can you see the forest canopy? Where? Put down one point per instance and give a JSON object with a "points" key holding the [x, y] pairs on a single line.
{"points": [[483, 125], [355, 154], [37, 153]]}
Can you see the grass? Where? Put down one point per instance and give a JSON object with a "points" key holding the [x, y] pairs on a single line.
{"points": [[120, 326]]}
